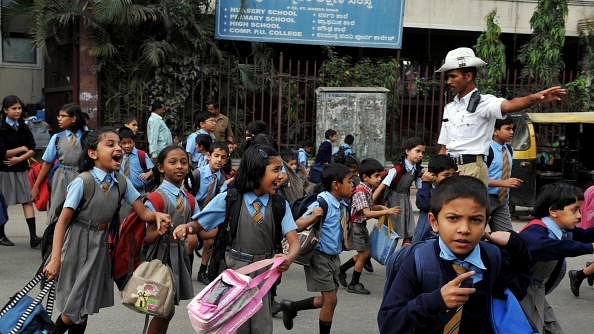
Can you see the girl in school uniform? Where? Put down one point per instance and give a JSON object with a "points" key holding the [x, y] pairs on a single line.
{"points": [[258, 178], [65, 147], [397, 187], [16, 146], [173, 164], [80, 259]]}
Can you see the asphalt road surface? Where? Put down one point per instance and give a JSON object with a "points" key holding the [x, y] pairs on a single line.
{"points": [[354, 313]]}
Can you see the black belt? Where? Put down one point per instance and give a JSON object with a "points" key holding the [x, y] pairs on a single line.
{"points": [[466, 158], [245, 257]]}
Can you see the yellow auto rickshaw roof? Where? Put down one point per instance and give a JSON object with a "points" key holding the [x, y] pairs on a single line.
{"points": [[562, 117]]}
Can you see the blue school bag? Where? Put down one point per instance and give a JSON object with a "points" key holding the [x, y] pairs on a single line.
{"points": [[507, 316], [24, 314]]}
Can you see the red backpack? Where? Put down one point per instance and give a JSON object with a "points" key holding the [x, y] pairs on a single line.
{"points": [[125, 245], [44, 192], [396, 179]]}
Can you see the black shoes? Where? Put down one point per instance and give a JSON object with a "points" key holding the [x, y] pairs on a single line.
{"points": [[358, 289], [574, 282], [203, 278], [368, 266], [591, 277], [289, 313], [35, 242], [4, 241], [342, 279], [275, 308]]}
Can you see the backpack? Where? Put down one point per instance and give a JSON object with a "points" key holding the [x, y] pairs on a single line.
{"points": [[44, 192], [232, 298], [88, 193], [228, 229], [126, 244], [505, 311], [192, 182], [308, 238], [340, 155], [40, 130], [398, 177], [491, 154], [142, 159]]}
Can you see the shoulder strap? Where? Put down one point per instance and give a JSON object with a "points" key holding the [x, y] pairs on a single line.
{"points": [[278, 213], [490, 157], [324, 206], [494, 256], [122, 184], [88, 189], [510, 149], [142, 159], [157, 200], [533, 222], [192, 201], [233, 208]]}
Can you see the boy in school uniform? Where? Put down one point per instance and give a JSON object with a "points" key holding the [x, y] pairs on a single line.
{"points": [[139, 172], [499, 175], [212, 182], [324, 155], [362, 208], [459, 214], [440, 167], [206, 125], [322, 273], [305, 148], [551, 237]]}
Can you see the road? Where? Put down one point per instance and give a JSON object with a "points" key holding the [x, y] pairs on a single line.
{"points": [[354, 313]]}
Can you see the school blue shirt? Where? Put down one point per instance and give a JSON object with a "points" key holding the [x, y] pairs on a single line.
{"points": [[496, 167], [75, 189], [205, 176], [214, 213], [330, 239], [171, 191], [136, 168], [51, 154], [191, 145]]}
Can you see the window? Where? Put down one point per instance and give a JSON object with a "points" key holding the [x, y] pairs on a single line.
{"points": [[16, 48]]}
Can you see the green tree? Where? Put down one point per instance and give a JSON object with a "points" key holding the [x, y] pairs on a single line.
{"points": [[541, 56], [490, 48]]}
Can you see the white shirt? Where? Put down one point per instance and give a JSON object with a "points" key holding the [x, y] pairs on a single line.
{"points": [[469, 133]]}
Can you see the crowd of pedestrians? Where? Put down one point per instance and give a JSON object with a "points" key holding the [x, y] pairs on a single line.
{"points": [[464, 220]]}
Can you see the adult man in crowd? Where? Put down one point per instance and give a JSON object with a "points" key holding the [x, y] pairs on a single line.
{"points": [[223, 130], [159, 135], [468, 121]]}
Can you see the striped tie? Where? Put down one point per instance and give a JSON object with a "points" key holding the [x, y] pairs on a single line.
{"points": [[127, 165], [344, 223], [258, 217], [72, 139], [209, 193], [505, 174], [180, 205], [453, 325]]}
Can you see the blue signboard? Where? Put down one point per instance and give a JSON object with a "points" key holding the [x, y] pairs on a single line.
{"points": [[359, 23]]}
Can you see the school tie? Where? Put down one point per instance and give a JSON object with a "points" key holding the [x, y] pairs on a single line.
{"points": [[505, 174], [180, 205], [258, 217], [105, 183], [344, 223], [127, 165], [211, 185], [453, 325], [15, 127], [72, 139]]}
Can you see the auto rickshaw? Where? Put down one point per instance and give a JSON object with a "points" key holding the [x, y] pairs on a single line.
{"points": [[551, 147]]}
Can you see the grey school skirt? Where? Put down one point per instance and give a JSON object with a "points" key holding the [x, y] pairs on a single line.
{"points": [[15, 187]]}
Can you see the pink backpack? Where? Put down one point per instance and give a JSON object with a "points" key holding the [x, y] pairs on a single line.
{"points": [[232, 298]]}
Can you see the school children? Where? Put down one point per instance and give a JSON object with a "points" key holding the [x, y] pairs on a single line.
{"points": [[305, 148], [206, 124], [63, 154], [459, 215], [500, 180], [362, 208], [322, 273], [552, 237], [79, 260], [256, 182], [440, 167], [212, 182], [173, 163], [17, 145], [395, 187], [345, 149], [294, 183], [139, 172], [131, 123]]}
